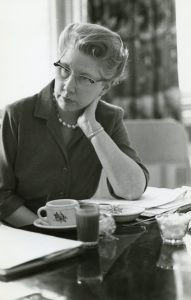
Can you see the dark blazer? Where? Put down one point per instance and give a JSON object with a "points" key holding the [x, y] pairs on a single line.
{"points": [[35, 163]]}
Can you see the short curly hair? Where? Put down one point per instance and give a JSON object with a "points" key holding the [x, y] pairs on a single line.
{"points": [[99, 42]]}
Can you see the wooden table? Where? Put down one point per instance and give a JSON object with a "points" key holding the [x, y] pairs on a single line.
{"points": [[121, 268]]}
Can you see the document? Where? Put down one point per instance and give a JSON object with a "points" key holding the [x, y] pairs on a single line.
{"points": [[155, 200], [181, 200], [20, 249]]}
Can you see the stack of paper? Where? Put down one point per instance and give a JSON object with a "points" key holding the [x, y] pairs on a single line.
{"points": [[156, 200], [165, 200], [21, 250], [172, 199]]}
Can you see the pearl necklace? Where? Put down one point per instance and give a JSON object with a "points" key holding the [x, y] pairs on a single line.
{"points": [[60, 120]]}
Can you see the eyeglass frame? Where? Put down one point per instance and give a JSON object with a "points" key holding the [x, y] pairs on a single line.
{"points": [[59, 64]]}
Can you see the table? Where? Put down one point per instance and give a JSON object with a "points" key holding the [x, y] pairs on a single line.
{"points": [[123, 267]]}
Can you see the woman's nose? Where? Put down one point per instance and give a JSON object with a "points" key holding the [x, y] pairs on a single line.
{"points": [[70, 83]]}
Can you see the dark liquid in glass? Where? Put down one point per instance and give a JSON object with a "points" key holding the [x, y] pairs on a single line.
{"points": [[87, 226]]}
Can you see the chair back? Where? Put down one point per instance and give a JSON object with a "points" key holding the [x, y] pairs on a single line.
{"points": [[163, 146]]}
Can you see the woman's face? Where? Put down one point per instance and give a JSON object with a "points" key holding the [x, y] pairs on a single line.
{"points": [[72, 89]]}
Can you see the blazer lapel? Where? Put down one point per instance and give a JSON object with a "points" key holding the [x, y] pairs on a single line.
{"points": [[45, 109]]}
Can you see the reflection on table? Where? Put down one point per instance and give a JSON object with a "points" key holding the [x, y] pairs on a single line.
{"points": [[132, 264]]}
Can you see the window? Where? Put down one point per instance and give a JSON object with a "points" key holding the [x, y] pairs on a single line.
{"points": [[28, 47], [183, 25]]}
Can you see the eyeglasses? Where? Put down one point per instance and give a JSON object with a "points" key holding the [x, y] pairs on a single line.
{"points": [[81, 80]]}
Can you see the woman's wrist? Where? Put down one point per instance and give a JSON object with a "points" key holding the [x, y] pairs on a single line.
{"points": [[95, 132], [89, 128], [93, 129]]}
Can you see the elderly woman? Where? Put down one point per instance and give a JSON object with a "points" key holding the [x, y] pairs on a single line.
{"points": [[57, 142]]}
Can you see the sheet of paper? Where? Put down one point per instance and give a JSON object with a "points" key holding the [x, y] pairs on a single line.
{"points": [[183, 199], [18, 246], [152, 197]]}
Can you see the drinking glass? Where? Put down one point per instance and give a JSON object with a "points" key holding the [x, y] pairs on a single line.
{"points": [[173, 227], [87, 221]]}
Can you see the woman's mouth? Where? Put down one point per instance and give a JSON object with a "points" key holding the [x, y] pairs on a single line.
{"points": [[67, 100]]}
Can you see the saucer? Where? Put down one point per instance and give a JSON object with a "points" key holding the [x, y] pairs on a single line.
{"points": [[126, 212], [41, 224]]}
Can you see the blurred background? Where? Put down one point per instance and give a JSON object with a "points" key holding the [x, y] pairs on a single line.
{"points": [[156, 32]]}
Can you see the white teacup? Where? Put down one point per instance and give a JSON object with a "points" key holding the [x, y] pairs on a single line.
{"points": [[60, 212]]}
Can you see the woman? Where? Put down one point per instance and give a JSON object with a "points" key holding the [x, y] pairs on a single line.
{"points": [[57, 142]]}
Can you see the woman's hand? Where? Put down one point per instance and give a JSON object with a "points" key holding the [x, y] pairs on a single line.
{"points": [[87, 121], [21, 217]]}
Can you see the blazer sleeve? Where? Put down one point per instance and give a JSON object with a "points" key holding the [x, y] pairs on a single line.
{"points": [[9, 200]]}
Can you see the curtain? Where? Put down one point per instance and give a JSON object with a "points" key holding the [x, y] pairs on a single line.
{"points": [[68, 11], [148, 29]]}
